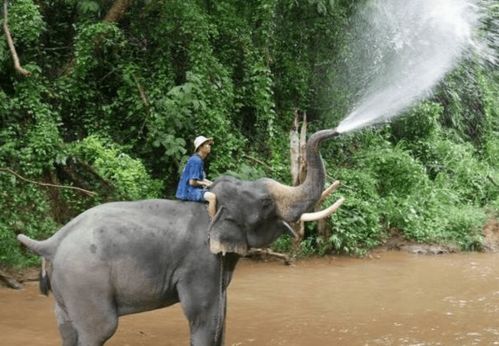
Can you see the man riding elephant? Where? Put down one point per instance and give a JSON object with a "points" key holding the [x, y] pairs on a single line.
{"points": [[193, 183]]}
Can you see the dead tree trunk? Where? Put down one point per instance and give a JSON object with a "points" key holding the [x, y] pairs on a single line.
{"points": [[297, 145]]}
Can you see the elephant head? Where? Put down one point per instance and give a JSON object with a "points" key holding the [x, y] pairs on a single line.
{"points": [[254, 213]]}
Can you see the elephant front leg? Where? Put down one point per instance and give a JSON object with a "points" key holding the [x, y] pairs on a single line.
{"points": [[205, 309]]}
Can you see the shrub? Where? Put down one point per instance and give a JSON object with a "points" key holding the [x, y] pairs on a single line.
{"points": [[458, 168], [356, 226], [395, 170], [29, 209], [128, 175]]}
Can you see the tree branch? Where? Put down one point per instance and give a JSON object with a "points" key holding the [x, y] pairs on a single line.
{"points": [[258, 161], [12, 48], [10, 281], [8, 170], [142, 92], [268, 252], [492, 180]]}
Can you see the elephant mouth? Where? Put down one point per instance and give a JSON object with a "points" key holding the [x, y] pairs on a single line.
{"points": [[217, 247]]}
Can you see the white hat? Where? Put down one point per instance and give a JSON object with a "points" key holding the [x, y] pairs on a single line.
{"points": [[200, 140]]}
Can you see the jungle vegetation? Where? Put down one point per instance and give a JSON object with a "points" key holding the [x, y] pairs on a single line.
{"points": [[114, 91]]}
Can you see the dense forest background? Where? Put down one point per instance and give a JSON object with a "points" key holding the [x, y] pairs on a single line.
{"points": [[117, 90]]}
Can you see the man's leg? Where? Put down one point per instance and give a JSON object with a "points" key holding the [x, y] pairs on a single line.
{"points": [[211, 198]]}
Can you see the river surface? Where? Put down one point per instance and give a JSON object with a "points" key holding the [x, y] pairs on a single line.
{"points": [[394, 298]]}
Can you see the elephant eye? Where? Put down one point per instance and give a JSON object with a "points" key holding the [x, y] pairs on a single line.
{"points": [[266, 203], [228, 217]]}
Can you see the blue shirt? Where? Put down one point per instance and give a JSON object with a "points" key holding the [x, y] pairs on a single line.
{"points": [[194, 169]]}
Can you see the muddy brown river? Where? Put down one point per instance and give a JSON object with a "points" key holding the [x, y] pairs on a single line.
{"points": [[393, 299]]}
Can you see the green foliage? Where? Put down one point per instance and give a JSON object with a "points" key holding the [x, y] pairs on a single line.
{"points": [[396, 171], [356, 226], [96, 44], [436, 216], [420, 123], [246, 172], [466, 111], [283, 244], [127, 174], [460, 170], [4, 51], [25, 22], [28, 208]]}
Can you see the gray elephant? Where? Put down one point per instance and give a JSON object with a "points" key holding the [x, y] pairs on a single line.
{"points": [[128, 257]]}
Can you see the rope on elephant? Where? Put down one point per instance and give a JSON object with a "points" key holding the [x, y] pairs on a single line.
{"points": [[221, 302]]}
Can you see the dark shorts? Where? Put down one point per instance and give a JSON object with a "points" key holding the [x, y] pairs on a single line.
{"points": [[195, 195]]}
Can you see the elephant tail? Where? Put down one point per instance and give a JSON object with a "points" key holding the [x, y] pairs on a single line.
{"points": [[44, 249], [44, 281]]}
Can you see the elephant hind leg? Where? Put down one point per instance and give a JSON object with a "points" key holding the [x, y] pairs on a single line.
{"points": [[68, 333], [85, 304], [95, 324], [94, 321]]}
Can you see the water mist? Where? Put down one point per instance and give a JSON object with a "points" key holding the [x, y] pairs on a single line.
{"points": [[405, 48]]}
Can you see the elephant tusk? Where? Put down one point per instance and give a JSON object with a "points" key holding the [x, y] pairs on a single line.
{"points": [[291, 230], [331, 188], [323, 213]]}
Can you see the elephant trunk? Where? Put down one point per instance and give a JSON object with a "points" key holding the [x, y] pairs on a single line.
{"points": [[293, 201]]}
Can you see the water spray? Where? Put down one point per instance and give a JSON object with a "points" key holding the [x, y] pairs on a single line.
{"points": [[411, 46]]}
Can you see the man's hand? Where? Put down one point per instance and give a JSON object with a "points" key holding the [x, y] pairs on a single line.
{"points": [[204, 182]]}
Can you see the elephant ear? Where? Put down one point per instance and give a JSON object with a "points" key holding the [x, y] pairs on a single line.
{"points": [[226, 235]]}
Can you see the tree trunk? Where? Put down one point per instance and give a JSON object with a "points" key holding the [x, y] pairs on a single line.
{"points": [[298, 148], [117, 10]]}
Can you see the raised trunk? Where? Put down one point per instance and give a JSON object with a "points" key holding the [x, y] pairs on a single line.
{"points": [[294, 201]]}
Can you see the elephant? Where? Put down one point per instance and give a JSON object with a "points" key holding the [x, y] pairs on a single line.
{"points": [[121, 258]]}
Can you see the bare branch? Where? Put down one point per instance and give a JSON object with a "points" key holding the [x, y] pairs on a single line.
{"points": [[492, 180], [142, 93], [8, 170], [268, 252], [10, 281], [258, 161], [12, 48]]}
